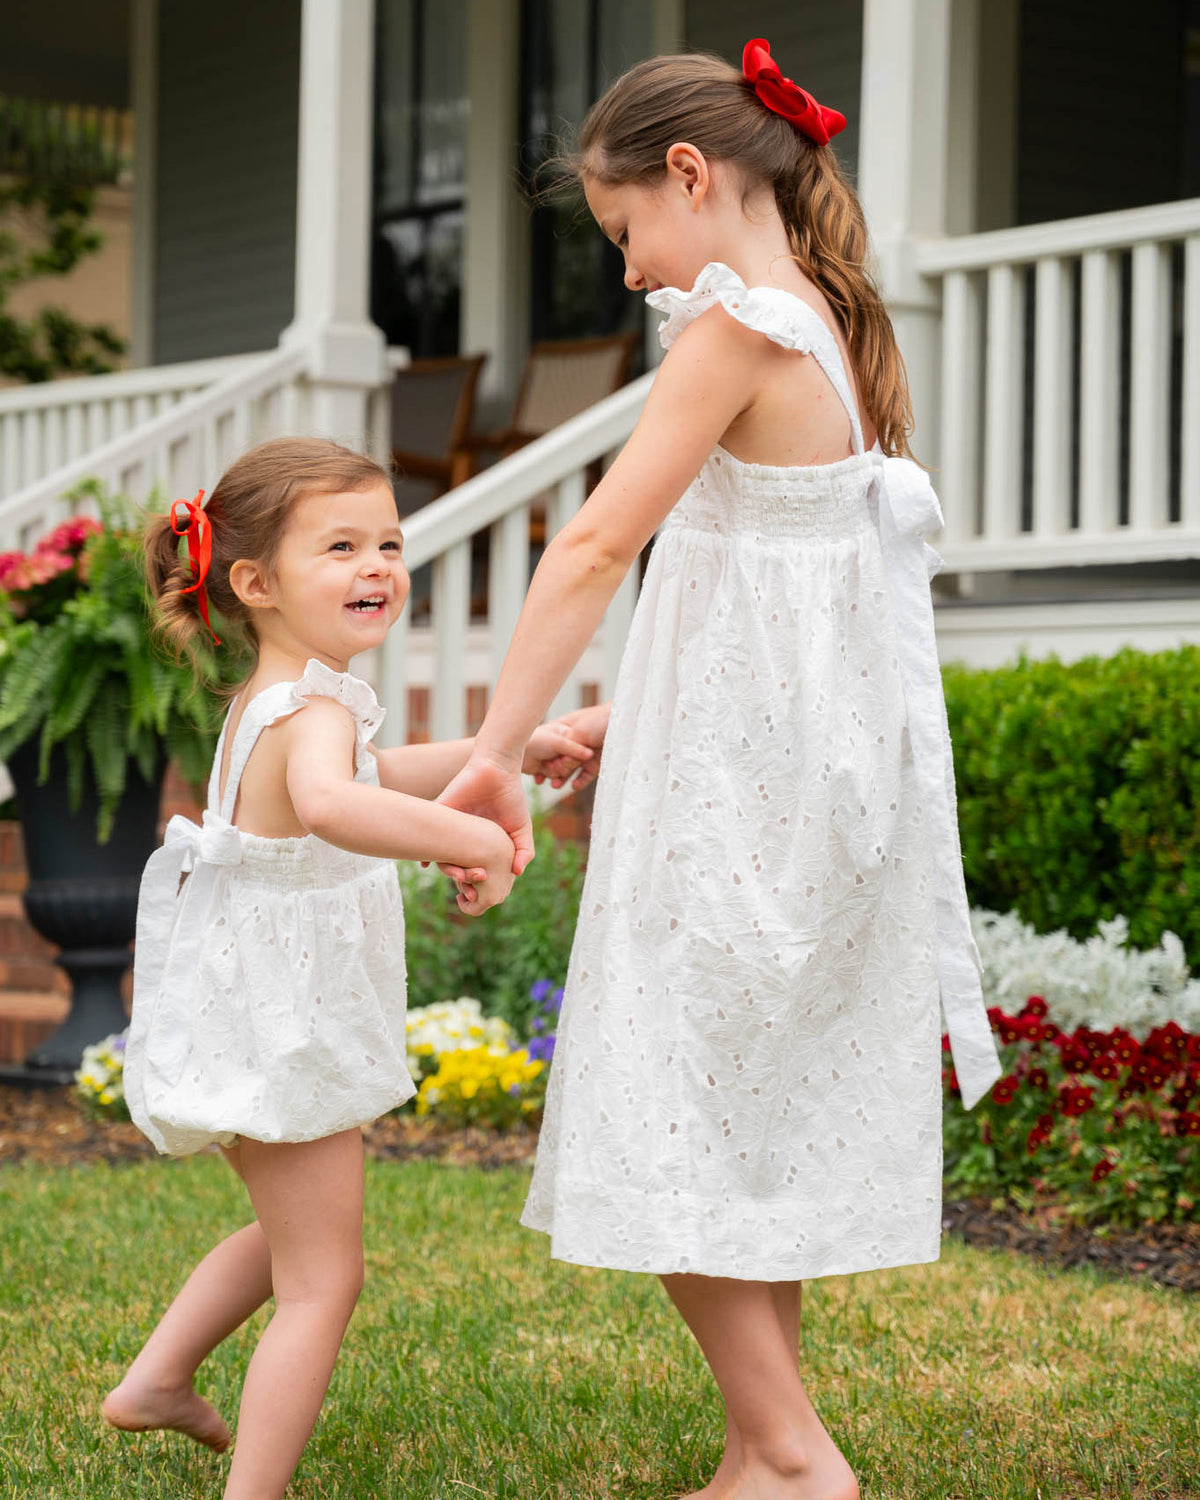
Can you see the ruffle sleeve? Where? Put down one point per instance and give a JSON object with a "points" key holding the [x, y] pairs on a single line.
{"points": [[778, 314], [319, 681]]}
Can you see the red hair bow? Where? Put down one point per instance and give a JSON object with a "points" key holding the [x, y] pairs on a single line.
{"points": [[197, 528], [786, 98]]}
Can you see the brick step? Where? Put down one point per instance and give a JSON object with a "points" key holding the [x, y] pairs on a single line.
{"points": [[18, 940], [27, 1018]]}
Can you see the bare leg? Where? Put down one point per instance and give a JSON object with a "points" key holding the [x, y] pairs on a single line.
{"points": [[230, 1283], [786, 1297], [308, 1198], [785, 1452]]}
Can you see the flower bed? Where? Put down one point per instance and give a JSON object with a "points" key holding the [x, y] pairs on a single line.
{"points": [[1100, 1122]]}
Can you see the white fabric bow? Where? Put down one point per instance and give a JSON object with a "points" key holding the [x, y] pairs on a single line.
{"points": [[907, 509], [172, 918]]}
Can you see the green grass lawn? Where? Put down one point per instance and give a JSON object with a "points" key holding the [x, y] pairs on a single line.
{"points": [[476, 1366]]}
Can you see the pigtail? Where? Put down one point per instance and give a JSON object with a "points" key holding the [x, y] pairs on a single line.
{"points": [[828, 232], [176, 625]]}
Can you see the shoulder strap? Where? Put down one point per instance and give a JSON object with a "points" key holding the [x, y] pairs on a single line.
{"points": [[824, 349], [262, 711]]}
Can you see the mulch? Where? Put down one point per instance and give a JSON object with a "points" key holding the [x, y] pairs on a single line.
{"points": [[46, 1126]]}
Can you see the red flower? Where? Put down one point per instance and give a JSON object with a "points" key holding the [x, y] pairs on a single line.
{"points": [[1132, 1086], [1076, 1099], [1125, 1048], [1010, 1030], [1101, 1170], [945, 1041], [1039, 1078], [1035, 1006], [1188, 1123], [1006, 1090], [1075, 1057], [1106, 1068]]}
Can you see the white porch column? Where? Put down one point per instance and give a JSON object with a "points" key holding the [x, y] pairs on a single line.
{"points": [[495, 294], [333, 217], [904, 164]]}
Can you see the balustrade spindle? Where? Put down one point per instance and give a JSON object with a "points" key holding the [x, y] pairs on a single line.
{"points": [[1098, 425], [1002, 429], [1150, 386], [1052, 411], [451, 609], [1190, 413], [508, 580], [962, 343]]}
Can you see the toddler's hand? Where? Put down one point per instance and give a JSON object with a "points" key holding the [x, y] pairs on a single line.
{"points": [[553, 752], [586, 726], [480, 888]]}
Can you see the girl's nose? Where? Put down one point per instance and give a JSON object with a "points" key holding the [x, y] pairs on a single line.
{"points": [[634, 279]]}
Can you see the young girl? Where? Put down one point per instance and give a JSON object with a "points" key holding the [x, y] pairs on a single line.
{"points": [[747, 1085], [268, 1007]]}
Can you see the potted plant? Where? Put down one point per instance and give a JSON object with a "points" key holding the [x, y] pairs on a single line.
{"points": [[90, 714]]}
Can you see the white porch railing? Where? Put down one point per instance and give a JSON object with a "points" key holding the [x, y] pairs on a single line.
{"points": [[181, 446], [1070, 406], [43, 427], [551, 471]]}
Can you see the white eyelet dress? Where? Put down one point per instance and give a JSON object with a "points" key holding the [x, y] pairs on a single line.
{"points": [[747, 1080], [268, 988]]}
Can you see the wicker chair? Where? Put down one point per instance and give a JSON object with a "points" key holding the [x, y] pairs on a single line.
{"points": [[432, 404], [561, 379]]}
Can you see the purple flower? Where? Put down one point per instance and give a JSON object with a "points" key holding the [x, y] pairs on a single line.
{"points": [[541, 1048], [119, 1044], [556, 999], [540, 990]]}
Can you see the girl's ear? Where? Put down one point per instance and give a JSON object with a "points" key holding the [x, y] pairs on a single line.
{"points": [[249, 581], [687, 169]]}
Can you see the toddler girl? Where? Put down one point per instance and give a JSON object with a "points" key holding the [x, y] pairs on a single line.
{"points": [[268, 1011], [746, 1089]]}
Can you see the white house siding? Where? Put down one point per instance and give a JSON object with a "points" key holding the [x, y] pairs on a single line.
{"points": [[816, 42], [225, 190]]}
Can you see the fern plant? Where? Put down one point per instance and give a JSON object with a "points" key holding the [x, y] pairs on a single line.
{"points": [[78, 667]]}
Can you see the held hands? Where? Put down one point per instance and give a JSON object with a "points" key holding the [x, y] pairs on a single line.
{"points": [[492, 789], [481, 887], [568, 745]]}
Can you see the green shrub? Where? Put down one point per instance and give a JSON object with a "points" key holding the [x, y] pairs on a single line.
{"points": [[1079, 791], [497, 958]]}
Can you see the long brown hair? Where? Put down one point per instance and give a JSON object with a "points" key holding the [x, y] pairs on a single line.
{"points": [[703, 100], [248, 512]]}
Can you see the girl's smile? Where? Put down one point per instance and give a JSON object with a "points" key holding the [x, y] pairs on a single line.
{"points": [[339, 581]]}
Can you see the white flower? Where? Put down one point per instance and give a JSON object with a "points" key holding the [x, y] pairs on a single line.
{"points": [[1099, 983]]}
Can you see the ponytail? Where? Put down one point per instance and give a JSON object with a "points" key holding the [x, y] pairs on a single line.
{"points": [[703, 100]]}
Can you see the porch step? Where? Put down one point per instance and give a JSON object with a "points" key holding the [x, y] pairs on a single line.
{"points": [[27, 1018]]}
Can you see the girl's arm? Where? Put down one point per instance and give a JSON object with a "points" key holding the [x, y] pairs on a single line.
{"points": [[425, 770], [706, 380], [318, 745]]}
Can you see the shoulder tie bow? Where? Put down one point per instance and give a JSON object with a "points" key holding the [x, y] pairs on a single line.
{"points": [[171, 922], [907, 510]]}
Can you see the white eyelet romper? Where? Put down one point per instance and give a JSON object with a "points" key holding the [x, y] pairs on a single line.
{"points": [[747, 1079], [269, 987]]}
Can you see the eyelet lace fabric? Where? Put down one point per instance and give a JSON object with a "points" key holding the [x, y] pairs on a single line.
{"points": [[269, 979], [747, 1079]]}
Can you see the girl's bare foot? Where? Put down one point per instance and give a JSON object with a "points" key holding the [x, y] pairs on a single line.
{"points": [[825, 1476], [721, 1484], [135, 1408]]}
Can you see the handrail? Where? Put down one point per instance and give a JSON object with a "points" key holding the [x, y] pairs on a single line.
{"points": [[196, 435], [146, 381], [1124, 228], [514, 480]]}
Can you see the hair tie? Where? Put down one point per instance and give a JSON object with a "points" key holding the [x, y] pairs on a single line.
{"points": [[197, 528], [786, 98]]}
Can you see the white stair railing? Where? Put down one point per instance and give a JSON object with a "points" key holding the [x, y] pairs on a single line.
{"points": [[552, 472], [43, 427], [1070, 376], [178, 450]]}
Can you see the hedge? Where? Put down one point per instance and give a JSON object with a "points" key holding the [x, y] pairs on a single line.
{"points": [[1079, 790]]}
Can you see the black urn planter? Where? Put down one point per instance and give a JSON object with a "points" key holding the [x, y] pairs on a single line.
{"points": [[82, 894]]}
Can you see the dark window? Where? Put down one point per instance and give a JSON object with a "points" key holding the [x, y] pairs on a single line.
{"points": [[420, 172], [572, 50]]}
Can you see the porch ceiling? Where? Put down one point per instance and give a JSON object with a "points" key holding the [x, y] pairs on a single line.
{"points": [[75, 51]]}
